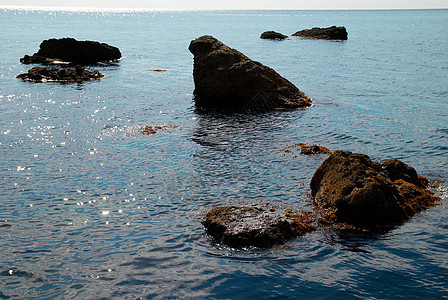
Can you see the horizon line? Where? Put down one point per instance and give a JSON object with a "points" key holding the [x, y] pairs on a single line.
{"points": [[141, 9]]}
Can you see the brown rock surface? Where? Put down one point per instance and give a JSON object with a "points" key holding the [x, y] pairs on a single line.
{"points": [[367, 193], [242, 226]]}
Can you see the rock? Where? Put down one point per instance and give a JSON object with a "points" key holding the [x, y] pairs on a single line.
{"points": [[64, 74], [69, 50], [258, 226], [272, 35], [227, 80], [305, 149], [330, 33], [153, 129], [369, 194]]}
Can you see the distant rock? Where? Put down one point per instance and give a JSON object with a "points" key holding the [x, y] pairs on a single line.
{"points": [[69, 50], [227, 80], [369, 194], [272, 35], [258, 226], [330, 33], [60, 74]]}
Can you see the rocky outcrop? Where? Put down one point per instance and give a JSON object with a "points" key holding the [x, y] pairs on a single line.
{"points": [[227, 80], [330, 33], [258, 226], [65, 74], [366, 193], [69, 50], [272, 35]]}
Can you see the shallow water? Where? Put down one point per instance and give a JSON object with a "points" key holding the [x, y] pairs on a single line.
{"points": [[91, 208]]}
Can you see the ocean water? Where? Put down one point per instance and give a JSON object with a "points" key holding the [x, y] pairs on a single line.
{"points": [[90, 208]]}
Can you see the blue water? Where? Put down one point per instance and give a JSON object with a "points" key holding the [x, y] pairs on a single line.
{"points": [[92, 209]]}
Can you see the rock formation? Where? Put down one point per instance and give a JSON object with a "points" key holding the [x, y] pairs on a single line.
{"points": [[258, 226], [69, 50], [330, 33], [272, 35], [369, 194], [65, 74], [227, 80]]}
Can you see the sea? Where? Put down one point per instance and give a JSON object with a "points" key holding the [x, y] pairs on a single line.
{"points": [[92, 208]]}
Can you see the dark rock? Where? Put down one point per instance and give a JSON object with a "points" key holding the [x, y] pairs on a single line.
{"points": [[227, 80], [61, 74], [330, 33], [396, 170], [69, 50], [272, 35], [242, 226], [367, 193]]}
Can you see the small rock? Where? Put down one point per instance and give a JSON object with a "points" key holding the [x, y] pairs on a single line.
{"points": [[305, 149], [330, 33], [258, 226], [60, 74], [272, 35], [153, 129]]}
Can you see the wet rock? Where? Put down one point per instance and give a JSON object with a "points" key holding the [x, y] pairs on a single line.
{"points": [[227, 80], [368, 194], [272, 35], [153, 129], [69, 50], [305, 149], [60, 74], [330, 33], [258, 226]]}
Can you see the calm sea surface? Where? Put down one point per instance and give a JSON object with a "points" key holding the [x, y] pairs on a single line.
{"points": [[92, 209]]}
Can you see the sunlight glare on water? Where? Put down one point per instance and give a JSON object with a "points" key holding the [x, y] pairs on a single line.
{"points": [[91, 208]]}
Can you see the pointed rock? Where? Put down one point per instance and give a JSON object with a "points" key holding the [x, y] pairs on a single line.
{"points": [[227, 80]]}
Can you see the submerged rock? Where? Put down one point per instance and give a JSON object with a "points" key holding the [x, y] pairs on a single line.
{"points": [[153, 129], [65, 74], [69, 50], [330, 33], [367, 193], [305, 149], [227, 80], [258, 226], [272, 35]]}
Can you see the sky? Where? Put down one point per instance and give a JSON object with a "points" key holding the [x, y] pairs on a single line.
{"points": [[234, 4]]}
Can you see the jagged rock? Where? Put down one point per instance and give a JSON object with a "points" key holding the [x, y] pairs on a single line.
{"points": [[272, 35], [258, 226], [65, 74], [227, 80], [330, 33], [69, 50], [367, 193]]}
